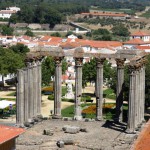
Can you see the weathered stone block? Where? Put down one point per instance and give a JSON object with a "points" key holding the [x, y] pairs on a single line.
{"points": [[68, 142], [83, 130], [48, 132], [72, 130], [60, 144]]}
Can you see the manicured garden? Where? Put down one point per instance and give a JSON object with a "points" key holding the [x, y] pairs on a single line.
{"points": [[89, 111]]}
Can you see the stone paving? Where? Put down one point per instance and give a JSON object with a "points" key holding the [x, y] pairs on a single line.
{"points": [[99, 136]]}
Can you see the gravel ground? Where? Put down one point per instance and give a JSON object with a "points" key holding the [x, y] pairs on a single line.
{"points": [[100, 136]]}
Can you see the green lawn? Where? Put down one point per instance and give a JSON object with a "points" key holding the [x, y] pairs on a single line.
{"points": [[108, 113], [146, 14], [9, 99], [11, 94]]}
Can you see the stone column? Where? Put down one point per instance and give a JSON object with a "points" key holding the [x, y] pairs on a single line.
{"points": [[58, 90], [119, 94], [137, 94], [26, 103], [30, 92], [132, 101], [99, 89], [39, 76], [35, 92], [20, 98], [78, 88], [143, 94]]}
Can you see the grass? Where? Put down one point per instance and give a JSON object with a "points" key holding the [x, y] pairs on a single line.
{"points": [[146, 14], [9, 99], [109, 113], [11, 94], [109, 93]]}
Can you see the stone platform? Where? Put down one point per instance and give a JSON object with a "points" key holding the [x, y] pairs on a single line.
{"points": [[98, 136]]}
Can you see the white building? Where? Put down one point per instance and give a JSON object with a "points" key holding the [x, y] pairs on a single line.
{"points": [[6, 14], [13, 8], [141, 35]]}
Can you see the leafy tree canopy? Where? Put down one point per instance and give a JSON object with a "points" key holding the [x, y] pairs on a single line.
{"points": [[20, 49], [89, 71], [48, 69], [6, 30], [29, 33], [120, 30]]}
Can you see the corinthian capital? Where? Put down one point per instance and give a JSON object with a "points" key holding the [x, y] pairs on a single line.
{"points": [[78, 61], [120, 63], [58, 60]]}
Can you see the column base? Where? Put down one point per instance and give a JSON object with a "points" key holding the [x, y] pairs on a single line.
{"points": [[99, 119], [56, 117], [20, 125], [77, 117], [129, 131]]}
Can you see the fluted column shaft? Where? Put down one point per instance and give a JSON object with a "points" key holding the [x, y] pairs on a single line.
{"points": [[78, 88], [20, 98], [119, 94], [30, 92], [26, 100], [34, 73], [137, 97], [143, 94], [39, 80], [99, 89], [58, 90], [131, 103]]}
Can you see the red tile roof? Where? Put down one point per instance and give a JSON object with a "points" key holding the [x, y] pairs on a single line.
{"points": [[135, 41], [140, 33], [143, 140], [143, 47], [7, 133], [45, 38]]}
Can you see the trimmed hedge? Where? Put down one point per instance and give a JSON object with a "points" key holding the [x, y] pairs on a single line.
{"points": [[51, 97]]}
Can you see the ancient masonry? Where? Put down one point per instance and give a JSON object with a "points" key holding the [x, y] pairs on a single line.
{"points": [[29, 85]]}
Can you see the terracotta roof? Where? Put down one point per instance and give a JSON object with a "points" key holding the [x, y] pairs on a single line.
{"points": [[135, 41], [7, 133], [140, 33], [143, 140], [25, 37], [7, 12], [143, 47], [106, 14], [70, 45], [45, 38], [64, 77]]}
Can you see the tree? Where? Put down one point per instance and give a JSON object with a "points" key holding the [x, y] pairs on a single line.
{"points": [[20, 49], [56, 34], [48, 69], [120, 30], [6, 30], [9, 62], [29, 33], [147, 83], [89, 71]]}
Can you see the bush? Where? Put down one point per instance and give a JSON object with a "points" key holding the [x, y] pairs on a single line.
{"points": [[51, 97], [64, 91], [84, 98], [67, 100]]}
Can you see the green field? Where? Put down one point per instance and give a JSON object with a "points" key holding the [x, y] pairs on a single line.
{"points": [[146, 14]]}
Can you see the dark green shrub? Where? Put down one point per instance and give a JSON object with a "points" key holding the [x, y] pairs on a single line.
{"points": [[51, 97]]}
